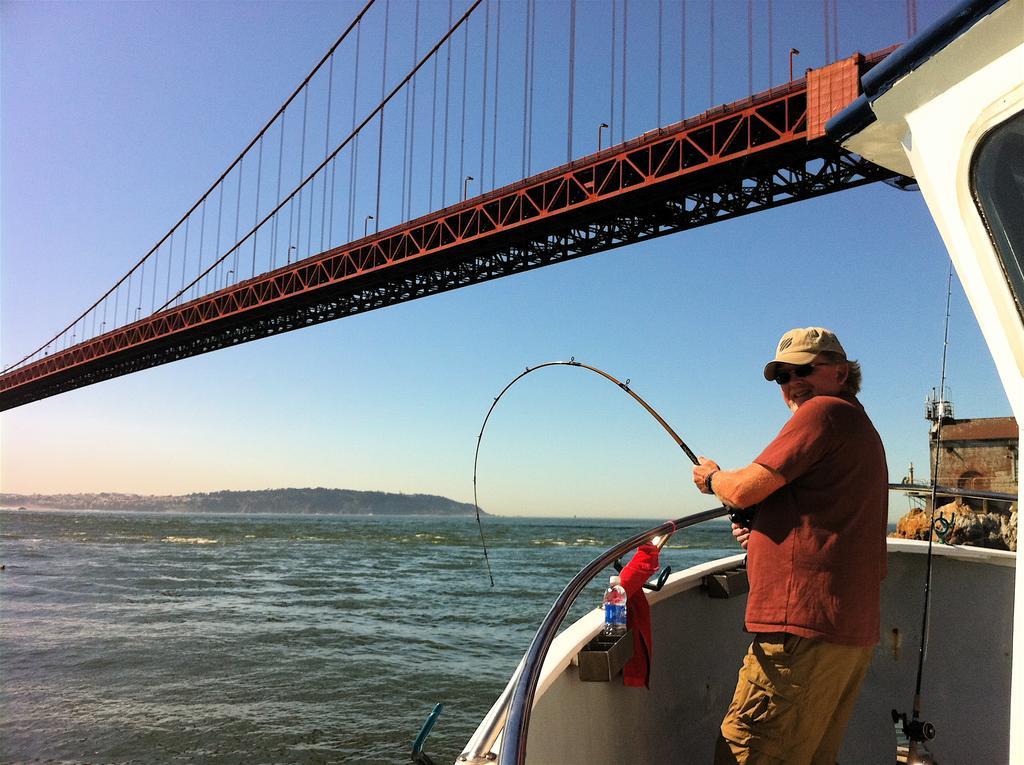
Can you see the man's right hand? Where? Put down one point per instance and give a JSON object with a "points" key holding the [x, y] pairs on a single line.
{"points": [[741, 534]]}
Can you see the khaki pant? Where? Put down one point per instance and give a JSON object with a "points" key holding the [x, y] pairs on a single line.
{"points": [[792, 702]]}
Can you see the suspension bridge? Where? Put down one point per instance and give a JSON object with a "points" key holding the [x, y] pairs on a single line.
{"points": [[341, 205]]}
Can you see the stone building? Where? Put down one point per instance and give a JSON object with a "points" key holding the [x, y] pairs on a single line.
{"points": [[977, 454], [980, 454]]}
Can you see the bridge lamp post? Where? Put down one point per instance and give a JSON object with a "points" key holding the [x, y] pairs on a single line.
{"points": [[366, 225], [792, 52], [290, 248], [227, 277], [138, 310], [600, 127], [465, 187]]}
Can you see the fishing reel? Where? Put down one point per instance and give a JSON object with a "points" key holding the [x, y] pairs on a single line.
{"points": [[914, 751], [741, 517]]}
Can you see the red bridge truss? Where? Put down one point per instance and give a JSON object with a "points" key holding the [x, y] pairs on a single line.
{"points": [[762, 152]]}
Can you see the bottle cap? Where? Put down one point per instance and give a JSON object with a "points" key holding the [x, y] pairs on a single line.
{"points": [[614, 581]]}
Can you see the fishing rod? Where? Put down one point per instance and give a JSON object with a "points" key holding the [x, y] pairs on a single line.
{"points": [[917, 730], [570, 363]]}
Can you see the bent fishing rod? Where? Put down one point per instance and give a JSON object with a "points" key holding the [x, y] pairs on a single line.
{"points": [[570, 363]]}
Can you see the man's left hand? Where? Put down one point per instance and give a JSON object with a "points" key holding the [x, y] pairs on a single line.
{"points": [[701, 471]]}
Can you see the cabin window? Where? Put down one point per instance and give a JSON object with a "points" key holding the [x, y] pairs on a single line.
{"points": [[997, 180]]}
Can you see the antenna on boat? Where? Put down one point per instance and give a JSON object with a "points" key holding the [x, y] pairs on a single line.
{"points": [[917, 730]]}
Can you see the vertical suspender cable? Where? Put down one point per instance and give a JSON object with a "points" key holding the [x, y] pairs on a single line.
{"points": [[167, 292], [412, 126], [291, 221], [380, 137], [273, 231], [682, 60], [256, 211], [526, 81], [117, 303], [353, 165], [405, 147], [661, 11], [711, 57], [447, 93], [835, 30], [497, 90], [330, 206], [462, 128], [529, 109], [309, 224], [291, 231], [277, 198], [184, 259], [202, 236], [572, 76], [483, 97], [611, 79], [750, 47], [353, 187], [238, 212], [142, 283], [156, 272], [302, 168], [625, 64], [327, 150], [771, 45], [220, 217], [828, 47], [334, 185], [433, 140]]}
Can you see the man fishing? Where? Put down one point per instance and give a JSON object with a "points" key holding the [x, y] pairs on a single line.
{"points": [[815, 559]]}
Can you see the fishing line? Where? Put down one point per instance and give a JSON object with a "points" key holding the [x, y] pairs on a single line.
{"points": [[570, 363]]}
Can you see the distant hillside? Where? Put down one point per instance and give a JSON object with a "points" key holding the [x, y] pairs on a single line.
{"points": [[298, 501]]}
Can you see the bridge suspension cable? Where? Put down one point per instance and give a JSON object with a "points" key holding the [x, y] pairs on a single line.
{"points": [[184, 218], [369, 118]]}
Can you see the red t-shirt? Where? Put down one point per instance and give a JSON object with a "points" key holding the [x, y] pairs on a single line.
{"points": [[816, 555]]}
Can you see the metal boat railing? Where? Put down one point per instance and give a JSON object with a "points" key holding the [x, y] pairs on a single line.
{"points": [[512, 712], [952, 491]]}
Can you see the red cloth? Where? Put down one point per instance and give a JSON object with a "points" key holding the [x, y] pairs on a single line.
{"points": [[644, 564]]}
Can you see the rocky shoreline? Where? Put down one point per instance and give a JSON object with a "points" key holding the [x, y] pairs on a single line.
{"points": [[966, 526]]}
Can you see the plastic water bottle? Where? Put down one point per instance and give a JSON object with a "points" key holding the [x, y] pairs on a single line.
{"points": [[614, 609]]}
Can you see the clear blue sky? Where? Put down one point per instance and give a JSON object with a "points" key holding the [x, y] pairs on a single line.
{"points": [[116, 116]]}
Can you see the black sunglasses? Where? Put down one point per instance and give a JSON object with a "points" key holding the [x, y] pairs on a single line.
{"points": [[783, 376]]}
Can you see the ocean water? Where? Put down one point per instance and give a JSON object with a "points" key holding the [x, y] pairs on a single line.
{"points": [[174, 638]]}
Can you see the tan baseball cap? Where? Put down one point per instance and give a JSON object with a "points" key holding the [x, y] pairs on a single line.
{"points": [[800, 346]]}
